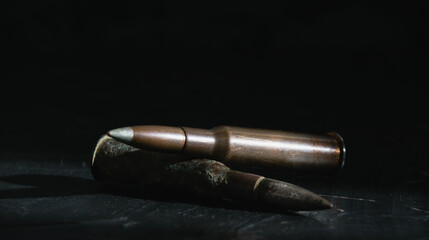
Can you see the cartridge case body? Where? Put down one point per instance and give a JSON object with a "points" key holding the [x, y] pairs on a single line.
{"points": [[270, 149]]}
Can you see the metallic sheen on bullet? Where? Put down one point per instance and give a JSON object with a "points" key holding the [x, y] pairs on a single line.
{"points": [[271, 149], [126, 134]]}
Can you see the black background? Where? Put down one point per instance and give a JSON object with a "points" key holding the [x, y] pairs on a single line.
{"points": [[74, 70]]}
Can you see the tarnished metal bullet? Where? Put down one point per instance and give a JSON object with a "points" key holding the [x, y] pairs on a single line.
{"points": [[116, 161], [322, 154]]}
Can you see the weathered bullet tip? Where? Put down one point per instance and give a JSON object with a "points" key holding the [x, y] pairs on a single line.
{"points": [[326, 204], [125, 134], [289, 196], [319, 203]]}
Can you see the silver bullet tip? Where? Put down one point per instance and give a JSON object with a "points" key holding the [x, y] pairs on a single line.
{"points": [[125, 134]]}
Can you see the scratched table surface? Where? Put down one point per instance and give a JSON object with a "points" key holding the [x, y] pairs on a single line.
{"points": [[55, 196]]}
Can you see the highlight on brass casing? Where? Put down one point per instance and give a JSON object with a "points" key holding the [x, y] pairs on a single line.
{"points": [[270, 149]]}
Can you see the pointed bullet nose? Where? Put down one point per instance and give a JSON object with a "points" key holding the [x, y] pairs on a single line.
{"points": [[151, 137], [290, 196], [325, 204], [125, 134], [315, 202]]}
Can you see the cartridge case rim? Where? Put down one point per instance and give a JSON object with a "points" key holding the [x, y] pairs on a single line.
{"points": [[342, 156]]}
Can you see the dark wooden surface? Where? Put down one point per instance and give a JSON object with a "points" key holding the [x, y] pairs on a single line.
{"points": [[44, 196]]}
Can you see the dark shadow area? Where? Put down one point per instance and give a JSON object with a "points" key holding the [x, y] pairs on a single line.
{"points": [[48, 186], [162, 196], [56, 186], [115, 231]]}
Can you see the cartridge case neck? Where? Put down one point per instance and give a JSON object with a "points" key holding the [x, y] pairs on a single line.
{"points": [[159, 138], [199, 142]]}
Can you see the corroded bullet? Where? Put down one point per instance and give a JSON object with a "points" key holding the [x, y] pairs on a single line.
{"points": [[322, 154], [116, 161]]}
